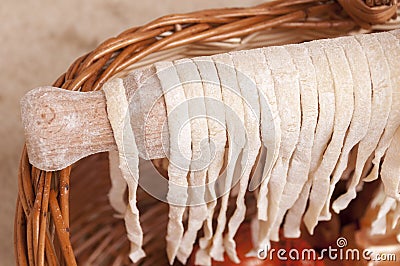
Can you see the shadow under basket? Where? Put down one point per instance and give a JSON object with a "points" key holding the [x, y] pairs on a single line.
{"points": [[64, 217]]}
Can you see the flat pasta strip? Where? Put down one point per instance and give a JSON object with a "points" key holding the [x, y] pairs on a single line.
{"points": [[217, 134], [396, 219], [251, 105], [391, 48], [118, 114], [362, 111], [381, 104], [301, 159], [180, 153], [382, 216], [191, 82], [287, 90], [390, 173], [270, 126], [234, 113], [379, 225], [116, 195], [344, 104], [323, 132]]}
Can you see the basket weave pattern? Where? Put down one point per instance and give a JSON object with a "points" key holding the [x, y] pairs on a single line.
{"points": [[58, 225]]}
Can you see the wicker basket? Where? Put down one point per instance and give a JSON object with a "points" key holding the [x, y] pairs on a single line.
{"points": [[58, 225]]}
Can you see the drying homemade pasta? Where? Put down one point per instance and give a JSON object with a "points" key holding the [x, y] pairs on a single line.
{"points": [[321, 112]]}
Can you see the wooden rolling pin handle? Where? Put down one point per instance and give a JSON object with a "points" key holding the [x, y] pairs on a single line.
{"points": [[63, 126]]}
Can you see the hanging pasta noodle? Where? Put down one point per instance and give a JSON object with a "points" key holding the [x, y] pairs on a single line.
{"points": [[234, 114], [381, 105], [390, 173], [379, 230], [287, 90], [387, 210], [118, 184], [271, 139], [396, 219], [180, 153], [323, 132], [391, 49], [251, 105], [379, 225], [191, 82], [301, 159], [270, 125], [362, 111], [217, 134], [118, 114], [344, 104]]}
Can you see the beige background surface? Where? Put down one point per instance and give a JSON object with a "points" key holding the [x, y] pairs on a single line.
{"points": [[38, 40]]}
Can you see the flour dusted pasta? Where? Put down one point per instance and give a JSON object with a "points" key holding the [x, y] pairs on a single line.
{"points": [[316, 111], [117, 109]]}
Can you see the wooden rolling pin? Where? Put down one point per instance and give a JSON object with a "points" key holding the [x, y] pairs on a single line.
{"points": [[63, 126]]}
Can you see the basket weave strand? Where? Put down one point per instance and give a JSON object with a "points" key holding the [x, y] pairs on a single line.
{"points": [[55, 225]]}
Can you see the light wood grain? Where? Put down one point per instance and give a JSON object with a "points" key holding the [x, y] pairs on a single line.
{"points": [[63, 126]]}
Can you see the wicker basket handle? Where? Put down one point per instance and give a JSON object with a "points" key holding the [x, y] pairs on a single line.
{"points": [[370, 12]]}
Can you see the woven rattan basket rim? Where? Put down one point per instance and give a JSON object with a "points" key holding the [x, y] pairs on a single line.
{"points": [[42, 220]]}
